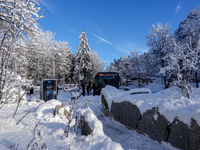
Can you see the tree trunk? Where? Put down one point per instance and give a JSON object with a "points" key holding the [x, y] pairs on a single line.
{"points": [[139, 82], [164, 78], [196, 80], [165, 82]]}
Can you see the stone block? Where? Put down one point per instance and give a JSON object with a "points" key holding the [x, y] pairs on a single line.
{"points": [[105, 106], [85, 128], [194, 135], [154, 125], [179, 134], [126, 113]]}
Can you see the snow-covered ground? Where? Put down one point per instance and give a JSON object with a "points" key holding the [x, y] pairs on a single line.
{"points": [[107, 133]]}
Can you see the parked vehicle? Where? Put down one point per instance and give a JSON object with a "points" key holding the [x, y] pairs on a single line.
{"points": [[106, 78]]}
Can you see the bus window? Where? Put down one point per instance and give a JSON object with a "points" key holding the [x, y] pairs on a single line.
{"points": [[107, 78]]}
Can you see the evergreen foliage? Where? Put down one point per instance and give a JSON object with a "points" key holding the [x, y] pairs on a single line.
{"points": [[83, 64]]}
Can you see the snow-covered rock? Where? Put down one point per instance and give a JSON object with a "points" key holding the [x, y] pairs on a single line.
{"points": [[169, 102]]}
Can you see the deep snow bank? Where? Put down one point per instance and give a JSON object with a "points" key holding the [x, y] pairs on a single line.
{"points": [[98, 138]]}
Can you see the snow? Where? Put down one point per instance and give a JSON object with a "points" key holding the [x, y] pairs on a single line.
{"points": [[106, 133], [46, 106], [169, 102], [155, 116]]}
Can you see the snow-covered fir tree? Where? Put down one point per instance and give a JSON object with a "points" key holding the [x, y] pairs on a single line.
{"points": [[83, 64]]}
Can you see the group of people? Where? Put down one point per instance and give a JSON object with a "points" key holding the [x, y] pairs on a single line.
{"points": [[89, 88]]}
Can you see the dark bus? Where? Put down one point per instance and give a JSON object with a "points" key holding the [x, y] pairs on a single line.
{"points": [[106, 78]]}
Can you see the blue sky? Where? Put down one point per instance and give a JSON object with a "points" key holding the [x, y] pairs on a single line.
{"points": [[113, 27]]}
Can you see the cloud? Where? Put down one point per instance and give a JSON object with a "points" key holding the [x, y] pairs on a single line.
{"points": [[106, 41], [70, 29], [48, 6], [111, 54], [128, 46], [125, 46], [123, 50], [143, 49], [92, 24], [178, 8], [108, 62]]}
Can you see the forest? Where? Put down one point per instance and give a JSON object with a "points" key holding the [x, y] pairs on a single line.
{"points": [[172, 57], [29, 54]]}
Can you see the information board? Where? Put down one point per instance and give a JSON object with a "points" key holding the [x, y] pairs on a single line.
{"points": [[48, 89]]}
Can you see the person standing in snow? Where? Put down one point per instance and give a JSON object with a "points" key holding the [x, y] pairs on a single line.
{"points": [[94, 89], [31, 92], [57, 89], [83, 88], [89, 88], [99, 88]]}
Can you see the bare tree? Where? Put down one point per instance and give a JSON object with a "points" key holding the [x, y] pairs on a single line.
{"points": [[158, 43], [180, 64], [17, 19]]}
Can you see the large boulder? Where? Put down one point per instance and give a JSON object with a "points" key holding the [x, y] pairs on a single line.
{"points": [[179, 134], [194, 135], [85, 128], [126, 113], [154, 125]]}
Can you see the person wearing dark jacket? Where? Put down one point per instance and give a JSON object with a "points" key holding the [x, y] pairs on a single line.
{"points": [[89, 88], [94, 89], [31, 92], [83, 88], [99, 88]]}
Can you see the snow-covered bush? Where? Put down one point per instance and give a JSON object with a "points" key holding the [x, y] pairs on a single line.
{"points": [[15, 89]]}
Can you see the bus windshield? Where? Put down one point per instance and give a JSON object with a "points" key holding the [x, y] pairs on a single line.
{"points": [[108, 79]]}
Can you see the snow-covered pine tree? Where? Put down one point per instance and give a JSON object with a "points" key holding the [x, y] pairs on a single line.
{"points": [[83, 65], [158, 43]]}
